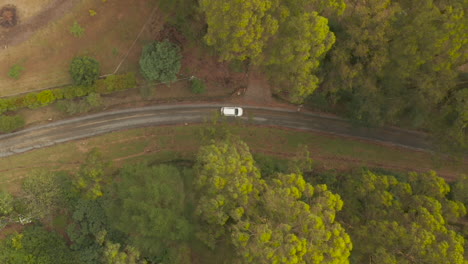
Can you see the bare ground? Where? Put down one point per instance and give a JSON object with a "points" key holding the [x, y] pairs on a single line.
{"points": [[25, 29]]}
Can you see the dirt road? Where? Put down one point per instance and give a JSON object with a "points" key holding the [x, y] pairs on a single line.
{"points": [[106, 122]]}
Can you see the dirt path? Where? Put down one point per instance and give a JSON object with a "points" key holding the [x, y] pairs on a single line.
{"points": [[24, 30]]}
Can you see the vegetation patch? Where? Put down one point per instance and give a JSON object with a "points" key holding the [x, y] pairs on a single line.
{"points": [[39, 99]]}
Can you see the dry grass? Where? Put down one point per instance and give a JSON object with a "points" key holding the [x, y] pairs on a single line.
{"points": [[166, 143], [27, 8], [47, 54]]}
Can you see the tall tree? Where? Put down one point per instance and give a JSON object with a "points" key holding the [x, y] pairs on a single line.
{"points": [[293, 60], [239, 29], [400, 221], [285, 221], [42, 194], [295, 223], [148, 205], [229, 183], [396, 61], [160, 61], [89, 178], [35, 245]]}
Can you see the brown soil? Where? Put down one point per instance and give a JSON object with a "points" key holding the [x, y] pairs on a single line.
{"points": [[21, 32]]}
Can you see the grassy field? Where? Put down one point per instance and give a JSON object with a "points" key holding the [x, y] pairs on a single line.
{"points": [[108, 35], [159, 144]]}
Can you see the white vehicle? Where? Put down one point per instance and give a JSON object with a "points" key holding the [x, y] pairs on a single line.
{"points": [[231, 111]]}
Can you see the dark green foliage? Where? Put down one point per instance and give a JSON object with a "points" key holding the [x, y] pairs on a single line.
{"points": [[89, 178], [84, 70], [198, 86], [185, 16], [270, 165], [148, 205], [160, 61], [89, 219], [460, 190], [11, 123], [35, 245], [397, 62]]}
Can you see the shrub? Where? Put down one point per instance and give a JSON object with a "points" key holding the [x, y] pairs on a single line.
{"points": [[15, 71], [11, 123], [46, 97], [114, 83], [4, 105], [30, 101], [73, 107], [160, 61], [58, 93], [84, 70], [92, 12], [198, 86], [77, 30], [93, 100]]}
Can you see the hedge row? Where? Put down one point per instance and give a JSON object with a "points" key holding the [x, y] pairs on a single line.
{"points": [[39, 99]]}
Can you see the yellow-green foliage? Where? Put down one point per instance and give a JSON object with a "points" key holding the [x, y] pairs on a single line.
{"points": [[38, 99], [92, 12], [284, 221]]}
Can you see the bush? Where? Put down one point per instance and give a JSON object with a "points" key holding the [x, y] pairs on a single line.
{"points": [[73, 107], [93, 100], [77, 30], [160, 61], [198, 86], [82, 105], [47, 97], [84, 70], [11, 123], [116, 83], [15, 71]]}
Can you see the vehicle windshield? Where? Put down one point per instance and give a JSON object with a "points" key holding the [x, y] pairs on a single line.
{"points": [[236, 111]]}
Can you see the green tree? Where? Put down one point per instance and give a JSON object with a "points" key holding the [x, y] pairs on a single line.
{"points": [[114, 254], [84, 70], [285, 221], [35, 245], [294, 224], [293, 61], [460, 190], [229, 183], [89, 178], [42, 193], [400, 221], [396, 62], [149, 207], [160, 61], [239, 30]]}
